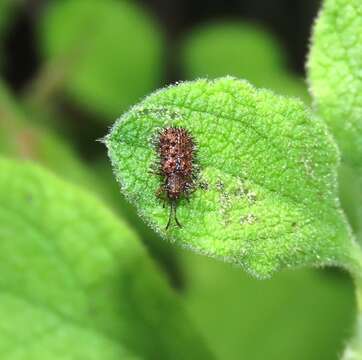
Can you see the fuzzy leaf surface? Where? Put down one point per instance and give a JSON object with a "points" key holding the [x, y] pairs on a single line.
{"points": [[335, 73], [335, 76], [268, 169], [75, 281]]}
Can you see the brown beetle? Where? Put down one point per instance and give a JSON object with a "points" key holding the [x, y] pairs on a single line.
{"points": [[176, 150]]}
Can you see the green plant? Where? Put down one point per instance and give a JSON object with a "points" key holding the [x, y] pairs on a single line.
{"points": [[269, 162], [309, 306], [103, 55], [108, 293], [76, 279], [210, 51]]}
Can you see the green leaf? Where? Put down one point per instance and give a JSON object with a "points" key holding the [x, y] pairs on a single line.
{"points": [[21, 138], [299, 315], [320, 306], [163, 252], [242, 50], [7, 10], [335, 64], [350, 193], [269, 166], [110, 51], [237, 46], [75, 282], [334, 71]]}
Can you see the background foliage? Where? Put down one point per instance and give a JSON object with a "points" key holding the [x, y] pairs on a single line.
{"points": [[93, 62]]}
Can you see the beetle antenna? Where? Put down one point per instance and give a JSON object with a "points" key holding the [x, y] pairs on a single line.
{"points": [[170, 216], [174, 208]]}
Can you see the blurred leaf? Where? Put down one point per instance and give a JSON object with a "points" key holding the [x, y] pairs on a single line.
{"points": [[297, 315], [109, 51], [242, 50], [75, 281], [350, 193], [311, 313], [20, 138], [246, 47], [165, 254], [7, 11], [335, 65], [334, 70], [269, 164]]}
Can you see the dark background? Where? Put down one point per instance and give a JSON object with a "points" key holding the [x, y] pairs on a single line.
{"points": [[289, 20]]}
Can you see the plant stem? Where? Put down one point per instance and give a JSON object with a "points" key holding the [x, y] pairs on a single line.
{"points": [[47, 83], [353, 350], [53, 76]]}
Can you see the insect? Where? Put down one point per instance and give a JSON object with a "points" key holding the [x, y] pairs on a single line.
{"points": [[176, 150]]}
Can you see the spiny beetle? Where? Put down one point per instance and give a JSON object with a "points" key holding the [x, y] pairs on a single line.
{"points": [[176, 149]]}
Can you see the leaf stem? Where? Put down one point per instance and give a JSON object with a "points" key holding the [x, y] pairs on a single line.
{"points": [[353, 350], [54, 74], [46, 84]]}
